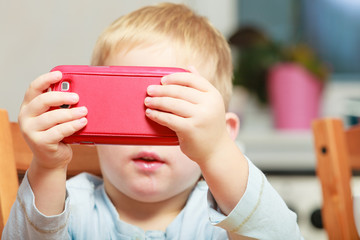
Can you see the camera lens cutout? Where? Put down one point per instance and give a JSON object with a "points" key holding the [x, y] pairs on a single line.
{"points": [[65, 106], [65, 86]]}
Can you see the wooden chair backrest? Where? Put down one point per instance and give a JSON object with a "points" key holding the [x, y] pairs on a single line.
{"points": [[338, 154], [16, 156]]}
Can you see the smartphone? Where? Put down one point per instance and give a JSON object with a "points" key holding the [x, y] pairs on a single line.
{"points": [[114, 97]]}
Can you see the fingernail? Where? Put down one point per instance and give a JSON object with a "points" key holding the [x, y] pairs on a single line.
{"points": [[82, 110], [150, 89], [164, 80], [57, 74], [147, 100], [83, 120], [74, 97], [148, 111]]}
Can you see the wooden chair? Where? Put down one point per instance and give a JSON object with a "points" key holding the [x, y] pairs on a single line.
{"points": [[338, 153], [15, 157]]}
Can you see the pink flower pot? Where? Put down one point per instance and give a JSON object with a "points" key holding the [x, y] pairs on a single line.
{"points": [[294, 95]]}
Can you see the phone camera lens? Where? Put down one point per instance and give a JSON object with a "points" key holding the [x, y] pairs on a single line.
{"points": [[65, 86]]}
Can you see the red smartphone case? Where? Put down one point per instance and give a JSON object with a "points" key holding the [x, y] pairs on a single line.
{"points": [[114, 96]]}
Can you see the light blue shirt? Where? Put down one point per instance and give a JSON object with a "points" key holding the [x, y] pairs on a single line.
{"points": [[89, 214]]}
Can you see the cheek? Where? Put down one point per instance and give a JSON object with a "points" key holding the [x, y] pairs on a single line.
{"points": [[187, 175], [187, 169], [113, 158], [114, 151], [181, 162]]}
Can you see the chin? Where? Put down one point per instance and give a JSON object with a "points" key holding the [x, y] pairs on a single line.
{"points": [[156, 193], [149, 196], [148, 192]]}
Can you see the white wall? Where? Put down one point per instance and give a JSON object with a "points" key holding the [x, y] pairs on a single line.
{"points": [[38, 35]]}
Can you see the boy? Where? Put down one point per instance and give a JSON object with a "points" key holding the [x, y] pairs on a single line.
{"points": [[150, 192]]}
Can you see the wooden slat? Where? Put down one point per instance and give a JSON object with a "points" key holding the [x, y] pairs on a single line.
{"points": [[334, 172], [8, 175], [23, 154], [85, 159], [353, 142]]}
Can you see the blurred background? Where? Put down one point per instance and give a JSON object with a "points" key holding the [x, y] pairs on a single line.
{"points": [[279, 46]]}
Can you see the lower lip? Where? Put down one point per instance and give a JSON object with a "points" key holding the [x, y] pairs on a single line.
{"points": [[148, 165]]}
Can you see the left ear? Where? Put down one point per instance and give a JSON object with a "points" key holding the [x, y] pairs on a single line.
{"points": [[232, 124]]}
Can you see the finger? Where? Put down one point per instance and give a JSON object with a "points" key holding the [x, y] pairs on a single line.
{"points": [[169, 120], [171, 105], [41, 84], [59, 116], [45, 101], [187, 79], [60, 131], [174, 91]]}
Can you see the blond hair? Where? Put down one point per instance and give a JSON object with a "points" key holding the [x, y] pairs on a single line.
{"points": [[194, 39]]}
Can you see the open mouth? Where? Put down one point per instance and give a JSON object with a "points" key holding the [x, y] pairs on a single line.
{"points": [[148, 157], [148, 161]]}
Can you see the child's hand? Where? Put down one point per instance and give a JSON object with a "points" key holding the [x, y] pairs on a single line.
{"points": [[44, 130], [192, 107]]}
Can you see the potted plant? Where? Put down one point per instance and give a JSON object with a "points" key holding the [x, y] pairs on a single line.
{"points": [[290, 79]]}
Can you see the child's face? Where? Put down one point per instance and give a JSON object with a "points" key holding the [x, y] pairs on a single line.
{"points": [[147, 173]]}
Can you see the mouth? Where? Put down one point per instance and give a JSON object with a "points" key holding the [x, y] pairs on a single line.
{"points": [[148, 161]]}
